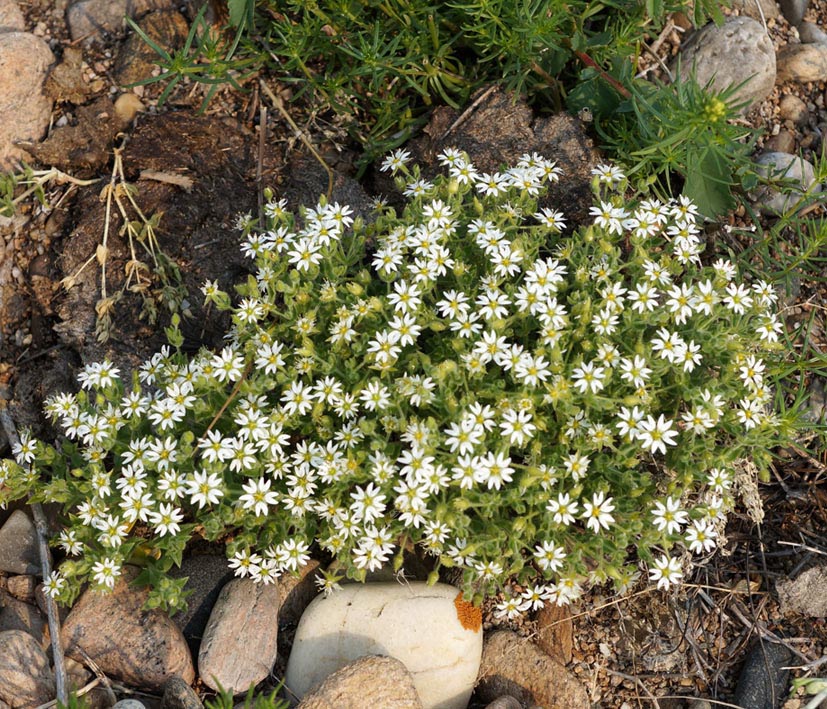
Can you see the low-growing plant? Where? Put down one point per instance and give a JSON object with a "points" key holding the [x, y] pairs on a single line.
{"points": [[379, 66], [664, 133], [523, 403]]}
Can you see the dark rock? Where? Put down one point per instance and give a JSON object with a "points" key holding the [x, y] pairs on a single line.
{"points": [[139, 647], [763, 683], [497, 133], [793, 10], [136, 59], [86, 145], [18, 545], [25, 677], [65, 81], [17, 615], [179, 695], [196, 231], [206, 575], [505, 702]]}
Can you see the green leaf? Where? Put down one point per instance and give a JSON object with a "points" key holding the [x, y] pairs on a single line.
{"points": [[240, 10], [708, 181]]}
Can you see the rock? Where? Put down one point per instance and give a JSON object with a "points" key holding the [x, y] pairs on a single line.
{"points": [[76, 674], [736, 52], [417, 624], [179, 695], [296, 593], [750, 8], [138, 647], [11, 18], [136, 59], [206, 575], [24, 109], [762, 683], [811, 33], [66, 81], [700, 704], [87, 143], [127, 106], [373, 681], [805, 594], [22, 587], [17, 615], [129, 704], [91, 19], [240, 641], [802, 62], [25, 677], [18, 545], [554, 631], [793, 10], [516, 666], [784, 142], [788, 167], [498, 132], [792, 108], [505, 702]]}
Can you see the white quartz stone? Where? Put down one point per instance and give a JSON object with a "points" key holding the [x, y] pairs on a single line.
{"points": [[415, 623]]}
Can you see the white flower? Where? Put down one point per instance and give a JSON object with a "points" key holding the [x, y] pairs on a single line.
{"points": [[597, 512], [495, 470], [701, 536], [509, 608], [516, 426], [588, 377], [667, 571], [608, 174], [54, 584], [105, 572], [549, 556], [635, 371], [368, 504], [669, 516], [655, 435], [563, 508], [258, 496], [243, 563], [395, 161], [205, 488], [166, 519]]}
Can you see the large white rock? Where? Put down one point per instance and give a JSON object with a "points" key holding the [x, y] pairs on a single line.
{"points": [[788, 167], [415, 623]]}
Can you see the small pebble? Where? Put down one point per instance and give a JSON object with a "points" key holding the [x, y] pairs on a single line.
{"points": [[793, 109], [129, 704], [505, 702], [127, 106]]}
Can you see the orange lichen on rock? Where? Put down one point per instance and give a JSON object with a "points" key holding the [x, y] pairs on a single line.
{"points": [[470, 617]]}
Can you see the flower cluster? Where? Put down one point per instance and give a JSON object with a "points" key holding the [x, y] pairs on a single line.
{"points": [[522, 403]]}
